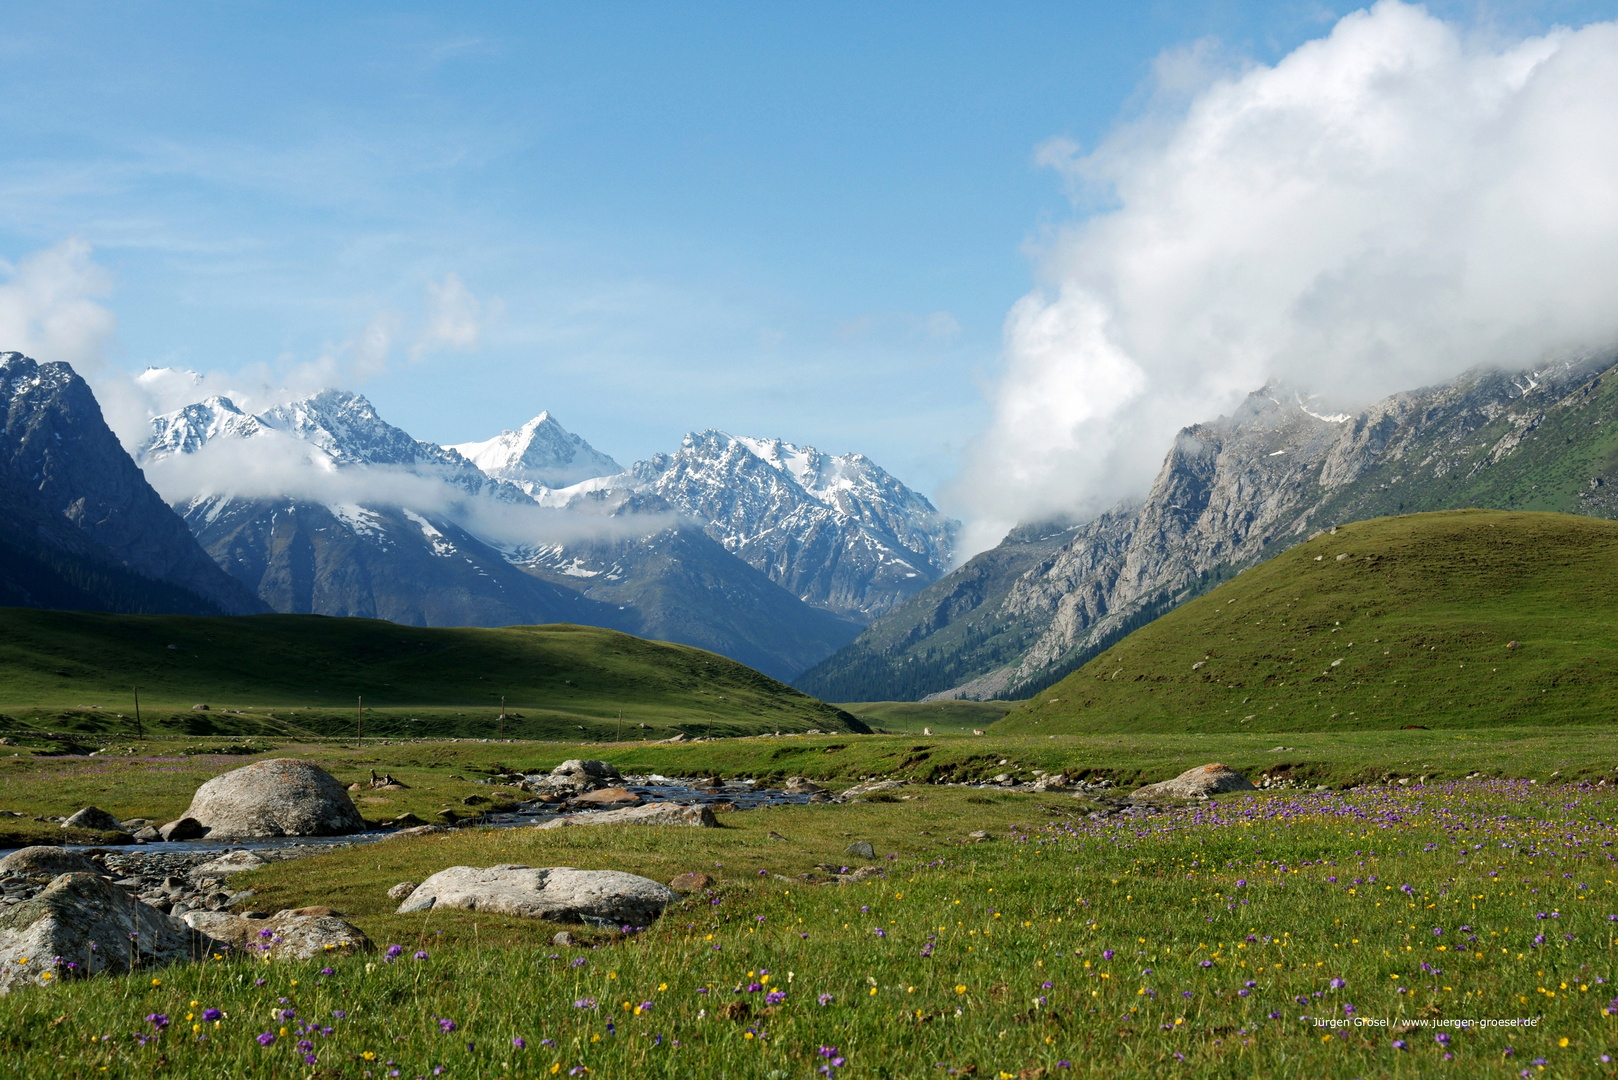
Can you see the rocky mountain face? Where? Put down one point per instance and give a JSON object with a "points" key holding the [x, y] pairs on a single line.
{"points": [[415, 533], [83, 528], [1231, 493], [839, 533], [540, 454]]}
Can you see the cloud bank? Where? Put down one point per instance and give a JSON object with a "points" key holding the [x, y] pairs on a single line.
{"points": [[1385, 207]]}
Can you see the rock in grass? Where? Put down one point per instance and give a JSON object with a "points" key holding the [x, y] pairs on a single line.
{"points": [[592, 770], [691, 883], [78, 911], [866, 790], [666, 813], [417, 830], [278, 797], [48, 862], [860, 849], [295, 934], [93, 818], [558, 894], [1200, 782], [401, 890]]}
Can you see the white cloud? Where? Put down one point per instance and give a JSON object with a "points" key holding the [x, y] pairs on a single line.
{"points": [[1384, 207], [48, 308], [455, 318]]}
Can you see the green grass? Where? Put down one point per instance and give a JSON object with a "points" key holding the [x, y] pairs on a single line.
{"points": [[944, 717], [1386, 624], [1120, 949], [304, 674]]}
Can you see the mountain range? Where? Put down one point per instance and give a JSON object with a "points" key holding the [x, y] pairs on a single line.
{"points": [[769, 553], [1233, 492]]}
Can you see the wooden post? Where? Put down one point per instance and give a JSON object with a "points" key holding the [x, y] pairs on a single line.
{"points": [[502, 718], [359, 718], [139, 734], [620, 736]]}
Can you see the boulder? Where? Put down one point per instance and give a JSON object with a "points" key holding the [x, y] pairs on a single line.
{"points": [[417, 830], [405, 821], [80, 925], [592, 770], [149, 833], [798, 785], [401, 890], [864, 791], [233, 863], [690, 883], [47, 862], [277, 797], [860, 849], [135, 824], [666, 813], [559, 894], [186, 828], [612, 796], [1200, 782], [296, 934], [93, 818]]}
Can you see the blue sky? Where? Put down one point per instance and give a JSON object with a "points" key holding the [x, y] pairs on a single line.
{"points": [[807, 222]]}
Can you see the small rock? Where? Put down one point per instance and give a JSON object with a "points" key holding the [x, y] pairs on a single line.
{"points": [[298, 934], [862, 849], [149, 833], [234, 863], [691, 883], [93, 818], [401, 890], [559, 894], [979, 835], [773, 835], [866, 790], [405, 821], [1203, 780], [416, 830], [798, 785], [615, 796], [135, 824], [651, 814], [186, 828], [562, 938], [199, 708]]}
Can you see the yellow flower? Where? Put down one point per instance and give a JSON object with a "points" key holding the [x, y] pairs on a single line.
{"points": [[157, 982], [873, 991], [747, 1035], [1562, 1042], [960, 989], [662, 986], [556, 1068], [369, 1055]]}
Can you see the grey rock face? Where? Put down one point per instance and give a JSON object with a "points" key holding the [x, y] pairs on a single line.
{"points": [[1231, 492], [84, 528], [233, 863], [700, 817], [93, 818], [1202, 781], [401, 890], [592, 770], [860, 792], [558, 894], [90, 924], [277, 797], [861, 849], [184, 828], [296, 934]]}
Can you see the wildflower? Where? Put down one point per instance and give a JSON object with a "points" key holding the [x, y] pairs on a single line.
{"points": [[826, 999], [266, 1039], [1399, 1044], [445, 1026], [339, 1014], [211, 1014], [1337, 984], [421, 954], [328, 971], [1442, 1038], [1106, 954]]}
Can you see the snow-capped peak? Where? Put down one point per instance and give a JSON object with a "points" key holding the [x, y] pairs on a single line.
{"points": [[541, 452], [188, 430]]}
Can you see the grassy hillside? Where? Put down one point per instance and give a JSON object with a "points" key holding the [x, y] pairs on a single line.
{"points": [[942, 717], [304, 674], [1384, 624]]}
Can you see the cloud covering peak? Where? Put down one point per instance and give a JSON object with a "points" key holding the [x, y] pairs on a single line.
{"points": [[1384, 207]]}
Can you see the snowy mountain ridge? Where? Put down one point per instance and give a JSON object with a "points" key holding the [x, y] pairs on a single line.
{"points": [[540, 454]]}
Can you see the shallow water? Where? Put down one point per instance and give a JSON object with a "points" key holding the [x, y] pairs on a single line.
{"points": [[744, 794]]}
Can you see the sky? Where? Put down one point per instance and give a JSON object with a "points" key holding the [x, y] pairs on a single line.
{"points": [[952, 237]]}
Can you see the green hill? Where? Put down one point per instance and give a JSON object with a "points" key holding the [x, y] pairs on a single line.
{"points": [[1460, 619], [76, 671]]}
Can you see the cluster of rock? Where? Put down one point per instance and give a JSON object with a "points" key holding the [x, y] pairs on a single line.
{"points": [[64, 915]]}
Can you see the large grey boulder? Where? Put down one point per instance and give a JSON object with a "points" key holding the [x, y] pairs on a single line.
{"points": [[862, 792], [82, 925], [48, 862], [294, 934], [558, 894], [93, 818], [278, 797], [594, 770], [665, 813], [1201, 782], [234, 862]]}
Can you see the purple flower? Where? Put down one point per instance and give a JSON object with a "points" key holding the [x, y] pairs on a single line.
{"points": [[1244, 991], [774, 997], [310, 1059], [157, 1020], [585, 1003], [1399, 1044], [445, 1025], [825, 999], [266, 1039], [1438, 931], [328, 971], [211, 1015], [339, 1014], [1442, 1038], [394, 952], [1106, 954], [1046, 985], [1241, 883], [519, 1042], [1337, 984], [1064, 1064], [1207, 963], [421, 954]]}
